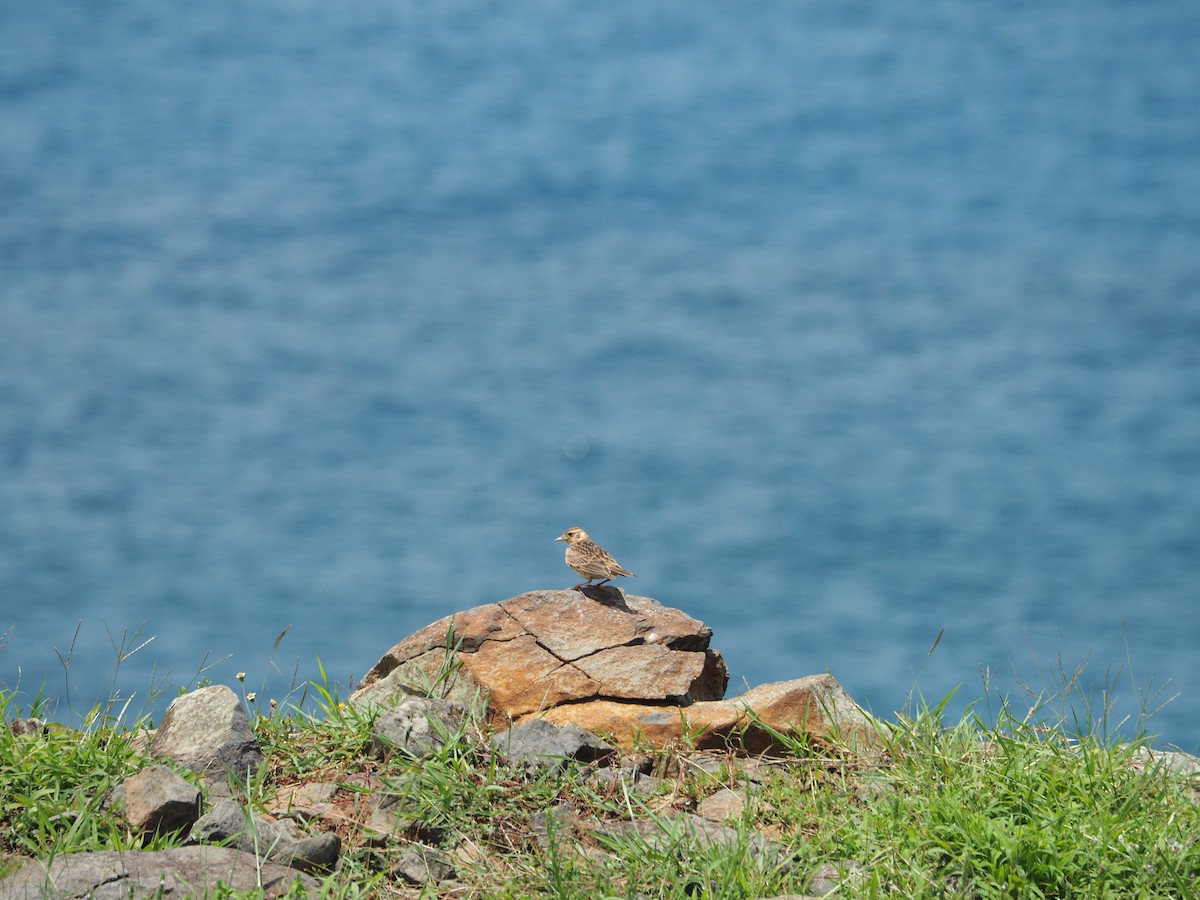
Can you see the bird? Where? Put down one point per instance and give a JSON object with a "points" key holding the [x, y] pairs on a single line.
{"points": [[589, 559]]}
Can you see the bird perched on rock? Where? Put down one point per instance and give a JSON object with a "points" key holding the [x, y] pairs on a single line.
{"points": [[589, 559]]}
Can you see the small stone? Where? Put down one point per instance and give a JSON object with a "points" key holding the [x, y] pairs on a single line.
{"points": [[282, 842], [566, 825], [1173, 760], [224, 821], [538, 744], [304, 802], [685, 828], [418, 726], [617, 779], [158, 801], [312, 853], [710, 765], [829, 877], [389, 816], [725, 804], [418, 864]]}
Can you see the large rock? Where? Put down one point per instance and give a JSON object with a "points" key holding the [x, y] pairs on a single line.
{"points": [[208, 732], [122, 874], [814, 708], [534, 652], [616, 665]]}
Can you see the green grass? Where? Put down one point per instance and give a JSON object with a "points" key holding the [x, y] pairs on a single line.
{"points": [[1041, 804], [1011, 811]]}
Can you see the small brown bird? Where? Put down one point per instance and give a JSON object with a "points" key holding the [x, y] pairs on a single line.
{"points": [[589, 559]]}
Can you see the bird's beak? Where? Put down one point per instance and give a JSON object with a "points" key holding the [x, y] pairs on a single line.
{"points": [[561, 537]]}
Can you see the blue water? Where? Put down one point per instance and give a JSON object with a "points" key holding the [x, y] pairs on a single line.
{"points": [[842, 325]]}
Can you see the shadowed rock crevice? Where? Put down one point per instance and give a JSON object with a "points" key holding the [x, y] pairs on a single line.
{"points": [[689, 643], [666, 703], [565, 662]]}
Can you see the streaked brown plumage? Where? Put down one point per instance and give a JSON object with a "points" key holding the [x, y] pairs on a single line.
{"points": [[589, 559]]}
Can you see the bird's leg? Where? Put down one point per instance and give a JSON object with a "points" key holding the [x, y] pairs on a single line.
{"points": [[605, 581]]}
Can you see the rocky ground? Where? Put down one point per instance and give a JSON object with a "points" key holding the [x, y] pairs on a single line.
{"points": [[551, 729]]}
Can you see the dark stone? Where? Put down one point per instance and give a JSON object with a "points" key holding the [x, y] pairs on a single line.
{"points": [[539, 744], [224, 822]]}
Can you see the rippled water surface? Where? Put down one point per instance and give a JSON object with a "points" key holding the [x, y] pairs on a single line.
{"points": [[842, 325]]}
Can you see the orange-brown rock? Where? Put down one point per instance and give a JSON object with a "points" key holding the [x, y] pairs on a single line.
{"points": [[621, 666], [814, 708], [537, 651]]}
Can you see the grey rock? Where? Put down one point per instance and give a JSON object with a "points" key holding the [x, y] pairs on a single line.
{"points": [[539, 744], [207, 731], [418, 864], [828, 878], [685, 828], [623, 778], [704, 831], [158, 801], [723, 805], [642, 763], [419, 726], [712, 765], [558, 824], [385, 822], [393, 813], [282, 842], [754, 771], [311, 853], [1174, 761], [225, 821], [125, 874]]}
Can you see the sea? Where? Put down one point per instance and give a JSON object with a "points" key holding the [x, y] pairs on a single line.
{"points": [[866, 333]]}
